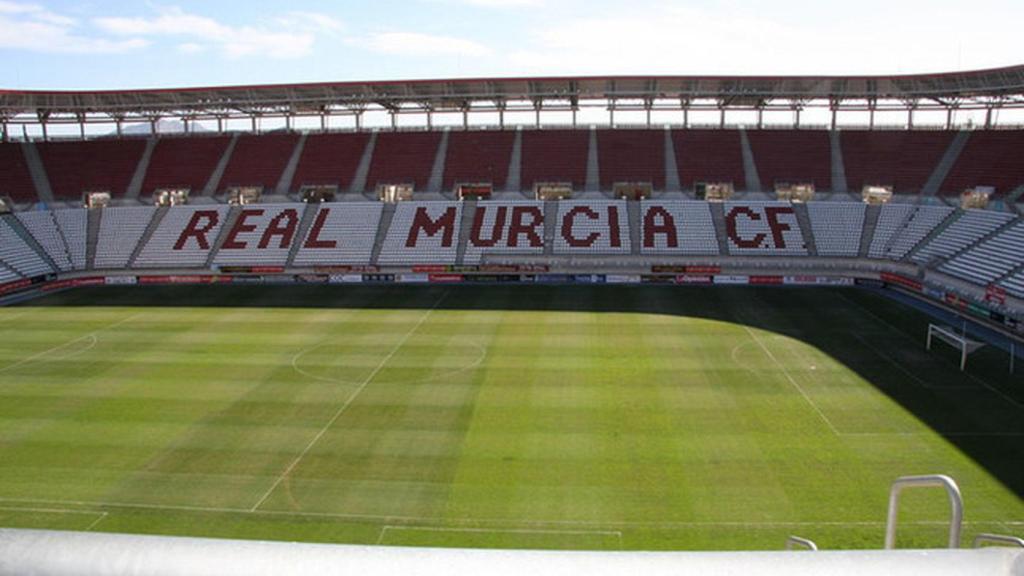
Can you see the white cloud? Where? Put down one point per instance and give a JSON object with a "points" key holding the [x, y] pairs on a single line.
{"points": [[34, 28], [417, 44], [502, 3], [191, 48]]}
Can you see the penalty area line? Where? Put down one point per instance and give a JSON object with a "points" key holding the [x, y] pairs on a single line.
{"points": [[548, 531]]}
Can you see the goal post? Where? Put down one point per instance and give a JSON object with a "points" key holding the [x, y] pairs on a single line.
{"points": [[960, 341]]}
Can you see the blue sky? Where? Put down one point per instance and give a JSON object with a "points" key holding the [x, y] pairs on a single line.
{"points": [[51, 44]]}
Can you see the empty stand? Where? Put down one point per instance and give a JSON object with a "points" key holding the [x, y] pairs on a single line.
{"points": [[120, 232], [837, 227], [592, 228], [890, 221], [73, 226], [763, 228], [903, 159], [261, 235], [918, 225], [631, 156], [258, 160], [423, 233], [792, 156], [184, 237], [991, 158], [682, 227], [42, 225], [18, 255], [184, 162], [341, 234], [15, 179], [478, 156], [505, 229], [973, 225], [74, 167], [555, 156], [330, 159], [708, 156], [403, 158], [987, 261]]}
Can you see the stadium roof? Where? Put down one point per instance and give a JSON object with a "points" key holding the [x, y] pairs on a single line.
{"points": [[984, 89]]}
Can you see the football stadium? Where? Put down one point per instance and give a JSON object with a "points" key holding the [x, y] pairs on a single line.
{"points": [[636, 336]]}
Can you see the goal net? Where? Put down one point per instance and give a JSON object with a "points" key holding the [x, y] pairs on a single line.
{"points": [[950, 336]]}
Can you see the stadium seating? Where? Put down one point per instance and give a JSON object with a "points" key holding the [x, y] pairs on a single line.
{"points": [[991, 158], [262, 235], [330, 159], [423, 233], [763, 228], [837, 227], [890, 221], [184, 238], [184, 162], [592, 228], [677, 227], [555, 156], [792, 156], [631, 156], [119, 234], [15, 179], [341, 234], [918, 224], [258, 160], [478, 156], [1014, 284], [987, 261], [73, 226], [106, 165], [708, 156], [505, 229], [43, 227], [403, 158], [970, 227], [903, 159], [18, 255]]}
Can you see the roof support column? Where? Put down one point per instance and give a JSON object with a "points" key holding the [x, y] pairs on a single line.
{"points": [[835, 114], [647, 108], [220, 124], [394, 121], [81, 126], [359, 121], [119, 122], [501, 117], [3, 131], [910, 118], [323, 122], [575, 109], [430, 120], [798, 110], [988, 118], [686, 116], [253, 123], [760, 118], [721, 117], [465, 118], [46, 136], [187, 124], [152, 126], [949, 118], [288, 122], [536, 111]]}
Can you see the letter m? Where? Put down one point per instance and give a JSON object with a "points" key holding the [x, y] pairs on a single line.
{"points": [[422, 222]]}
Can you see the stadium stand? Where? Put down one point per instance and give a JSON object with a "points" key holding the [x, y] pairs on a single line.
{"points": [[105, 165], [991, 259], [18, 255], [184, 162], [890, 221], [505, 228], [258, 160], [341, 234], [423, 233], [903, 159], [677, 227], [478, 156], [15, 179], [837, 227], [764, 228], [1014, 284], [792, 156], [631, 156], [183, 238], [914, 229], [403, 158], [592, 228], [971, 226], [73, 226], [42, 225], [261, 235], [708, 156], [991, 158], [119, 234], [555, 156], [330, 159]]}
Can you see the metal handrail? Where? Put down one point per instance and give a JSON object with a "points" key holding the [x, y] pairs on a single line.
{"points": [[981, 539], [933, 481], [797, 542]]}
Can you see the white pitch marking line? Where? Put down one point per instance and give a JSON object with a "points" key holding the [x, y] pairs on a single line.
{"points": [[348, 402], [792, 380], [92, 334], [49, 510], [399, 528], [902, 368], [103, 516]]}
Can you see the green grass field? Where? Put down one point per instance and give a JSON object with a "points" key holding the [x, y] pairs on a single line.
{"points": [[638, 418]]}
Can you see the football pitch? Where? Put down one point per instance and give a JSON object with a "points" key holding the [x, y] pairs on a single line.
{"points": [[586, 417]]}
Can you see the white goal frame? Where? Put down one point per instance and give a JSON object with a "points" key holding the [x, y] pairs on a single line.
{"points": [[959, 341]]}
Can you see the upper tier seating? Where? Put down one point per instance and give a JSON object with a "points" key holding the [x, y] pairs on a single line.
{"points": [[890, 222], [184, 237], [792, 156], [43, 227], [555, 156], [423, 233], [120, 231], [478, 156], [991, 158], [592, 227], [709, 156], [15, 179], [18, 255], [403, 158], [96, 165], [915, 228], [971, 226], [687, 229], [262, 235], [330, 159], [837, 227], [258, 160], [631, 156], [184, 162], [991, 259], [903, 159], [505, 229], [763, 228], [341, 234]]}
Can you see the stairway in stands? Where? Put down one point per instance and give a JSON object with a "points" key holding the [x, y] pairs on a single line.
{"points": [[718, 217], [468, 215], [871, 215], [308, 215], [386, 215], [161, 213], [938, 176], [804, 219]]}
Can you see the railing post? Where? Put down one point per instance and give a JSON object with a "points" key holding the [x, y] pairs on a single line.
{"points": [[798, 542], [939, 480]]}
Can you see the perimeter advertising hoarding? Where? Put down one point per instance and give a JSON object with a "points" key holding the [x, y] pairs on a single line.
{"points": [[622, 279], [345, 278]]}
